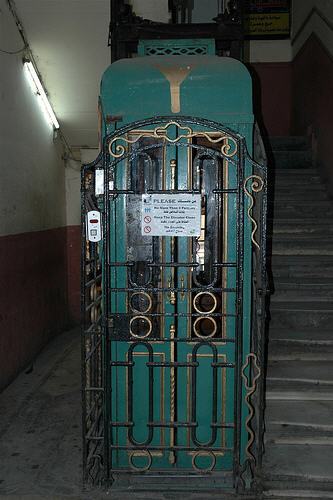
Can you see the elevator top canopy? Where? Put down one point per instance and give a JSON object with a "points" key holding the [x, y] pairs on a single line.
{"points": [[206, 86]]}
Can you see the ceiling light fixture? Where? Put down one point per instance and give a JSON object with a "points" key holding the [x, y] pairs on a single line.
{"points": [[38, 88]]}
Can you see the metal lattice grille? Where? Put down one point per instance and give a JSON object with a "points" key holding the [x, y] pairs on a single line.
{"points": [[176, 47], [175, 51]]}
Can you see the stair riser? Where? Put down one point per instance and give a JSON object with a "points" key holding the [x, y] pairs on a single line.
{"points": [[298, 484], [297, 189], [318, 268], [308, 295], [279, 386], [305, 251], [285, 229], [281, 431], [300, 239], [295, 182], [286, 161], [300, 197], [301, 319], [293, 142], [299, 274], [294, 249], [313, 214]]}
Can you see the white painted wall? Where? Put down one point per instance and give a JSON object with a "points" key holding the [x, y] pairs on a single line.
{"points": [[301, 9], [73, 185], [73, 192], [268, 51], [32, 191], [69, 40]]}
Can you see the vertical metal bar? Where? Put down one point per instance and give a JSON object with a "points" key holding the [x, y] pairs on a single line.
{"points": [[83, 323], [239, 310], [194, 392], [105, 326], [172, 456]]}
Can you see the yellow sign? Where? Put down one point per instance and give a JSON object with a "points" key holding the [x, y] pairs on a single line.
{"points": [[267, 24]]}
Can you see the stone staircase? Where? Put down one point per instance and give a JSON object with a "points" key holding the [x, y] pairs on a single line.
{"points": [[298, 462]]}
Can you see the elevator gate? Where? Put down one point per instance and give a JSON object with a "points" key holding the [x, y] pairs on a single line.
{"points": [[173, 305]]}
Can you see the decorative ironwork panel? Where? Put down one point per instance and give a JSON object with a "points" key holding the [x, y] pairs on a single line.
{"points": [[172, 344]]}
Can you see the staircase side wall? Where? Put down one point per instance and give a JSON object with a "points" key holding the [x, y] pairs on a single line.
{"points": [[272, 96], [312, 75], [33, 289]]}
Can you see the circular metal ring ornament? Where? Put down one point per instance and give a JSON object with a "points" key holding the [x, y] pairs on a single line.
{"points": [[204, 454], [93, 314], [196, 330], [93, 292], [149, 299], [138, 453], [146, 334], [200, 294]]}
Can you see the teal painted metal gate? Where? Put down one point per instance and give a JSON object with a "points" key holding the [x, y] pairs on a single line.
{"points": [[173, 308]]}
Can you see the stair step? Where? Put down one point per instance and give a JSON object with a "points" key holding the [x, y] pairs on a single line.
{"points": [[296, 172], [293, 142], [299, 196], [298, 189], [295, 191], [294, 291], [278, 494], [305, 211], [292, 159], [324, 440], [299, 432], [304, 266], [316, 372], [294, 182], [305, 336], [297, 249], [299, 237], [298, 464], [296, 185], [284, 350], [302, 202], [320, 393], [303, 415], [303, 227], [296, 267], [293, 176]]}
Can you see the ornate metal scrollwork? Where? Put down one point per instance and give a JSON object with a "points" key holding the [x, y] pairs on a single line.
{"points": [[250, 390], [257, 185], [229, 147]]}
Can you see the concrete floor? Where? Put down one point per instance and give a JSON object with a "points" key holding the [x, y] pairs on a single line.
{"points": [[40, 433], [40, 428]]}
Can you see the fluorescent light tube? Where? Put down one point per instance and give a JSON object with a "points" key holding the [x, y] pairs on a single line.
{"points": [[41, 92]]}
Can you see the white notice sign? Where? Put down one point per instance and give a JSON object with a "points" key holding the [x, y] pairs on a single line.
{"points": [[171, 214]]}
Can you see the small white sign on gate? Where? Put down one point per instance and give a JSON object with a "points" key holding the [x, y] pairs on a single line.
{"points": [[171, 214]]}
